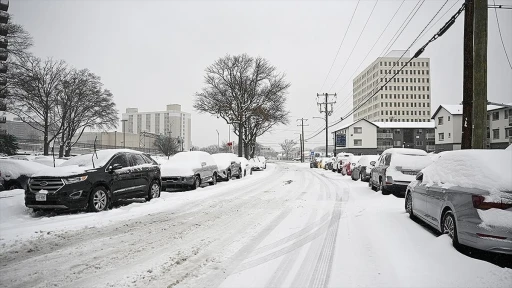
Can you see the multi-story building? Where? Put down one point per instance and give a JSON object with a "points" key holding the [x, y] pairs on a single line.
{"points": [[448, 121], [171, 122], [405, 99], [365, 137]]}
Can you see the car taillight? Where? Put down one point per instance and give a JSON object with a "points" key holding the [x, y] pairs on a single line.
{"points": [[480, 203]]}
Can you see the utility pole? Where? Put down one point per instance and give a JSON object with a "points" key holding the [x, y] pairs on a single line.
{"points": [[467, 90], [326, 107], [302, 137], [124, 132], [480, 75]]}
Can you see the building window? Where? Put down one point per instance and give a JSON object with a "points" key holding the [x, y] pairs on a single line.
{"points": [[508, 132], [448, 118], [506, 114], [495, 133], [397, 143], [419, 131], [419, 143], [439, 120], [441, 136], [358, 130], [495, 116], [358, 142], [397, 131], [449, 135]]}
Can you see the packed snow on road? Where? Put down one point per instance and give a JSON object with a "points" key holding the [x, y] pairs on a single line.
{"points": [[286, 226]]}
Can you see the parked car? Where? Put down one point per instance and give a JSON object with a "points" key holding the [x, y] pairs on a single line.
{"points": [[246, 166], [470, 203], [396, 168], [229, 166], [189, 170], [256, 164], [15, 173], [363, 167], [263, 161], [349, 164], [94, 181], [340, 160], [313, 163]]}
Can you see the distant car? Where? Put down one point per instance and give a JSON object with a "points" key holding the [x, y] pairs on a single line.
{"points": [[349, 164], [470, 203], [313, 163], [340, 160], [396, 168], [189, 170], [263, 161], [364, 166], [94, 181], [246, 166], [256, 164], [16, 173], [229, 166]]}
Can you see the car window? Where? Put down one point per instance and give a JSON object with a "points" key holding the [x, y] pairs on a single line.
{"points": [[137, 159], [387, 159], [121, 160], [148, 159]]}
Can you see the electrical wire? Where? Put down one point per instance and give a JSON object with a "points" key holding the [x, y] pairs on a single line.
{"points": [[342, 40], [501, 37], [355, 45]]}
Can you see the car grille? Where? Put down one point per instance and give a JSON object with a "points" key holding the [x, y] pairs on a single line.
{"points": [[171, 178], [410, 172], [51, 185]]}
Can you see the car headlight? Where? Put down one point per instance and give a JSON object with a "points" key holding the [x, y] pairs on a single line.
{"points": [[74, 179]]}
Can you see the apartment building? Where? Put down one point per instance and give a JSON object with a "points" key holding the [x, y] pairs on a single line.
{"points": [[406, 98], [448, 125], [172, 122], [364, 137]]}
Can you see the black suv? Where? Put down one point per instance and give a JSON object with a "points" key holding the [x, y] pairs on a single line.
{"points": [[95, 181]]}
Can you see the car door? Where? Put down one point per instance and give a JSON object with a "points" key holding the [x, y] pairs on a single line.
{"points": [[419, 205], [122, 182], [434, 198], [140, 175], [377, 171]]}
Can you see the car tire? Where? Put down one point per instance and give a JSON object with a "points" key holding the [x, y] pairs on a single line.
{"points": [[99, 200], [228, 175], [196, 184], [449, 226], [214, 179], [239, 176], [245, 172], [408, 206], [383, 189], [13, 185], [154, 190]]}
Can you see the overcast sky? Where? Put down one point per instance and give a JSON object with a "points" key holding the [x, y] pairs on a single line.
{"points": [[153, 53]]}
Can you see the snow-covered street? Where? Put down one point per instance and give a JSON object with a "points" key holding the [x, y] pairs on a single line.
{"points": [[287, 226]]}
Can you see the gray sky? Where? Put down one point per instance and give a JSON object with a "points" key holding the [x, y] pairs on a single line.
{"points": [[153, 53]]}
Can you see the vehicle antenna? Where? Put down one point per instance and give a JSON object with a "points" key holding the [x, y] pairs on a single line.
{"points": [[92, 158]]}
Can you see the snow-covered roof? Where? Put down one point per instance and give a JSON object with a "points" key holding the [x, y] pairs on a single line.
{"points": [[405, 151], [418, 125], [496, 107], [457, 109], [344, 126]]}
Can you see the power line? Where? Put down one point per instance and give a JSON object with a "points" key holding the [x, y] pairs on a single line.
{"points": [[355, 45], [499, 29], [342, 40]]}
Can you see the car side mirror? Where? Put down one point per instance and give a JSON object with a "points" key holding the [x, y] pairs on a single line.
{"points": [[114, 167], [203, 164], [233, 162], [419, 176], [373, 163]]}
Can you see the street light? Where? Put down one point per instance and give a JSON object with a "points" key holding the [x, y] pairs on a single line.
{"points": [[218, 143]]}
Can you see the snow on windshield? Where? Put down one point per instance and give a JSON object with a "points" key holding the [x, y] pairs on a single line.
{"points": [[223, 160], [100, 159], [488, 170], [410, 161]]}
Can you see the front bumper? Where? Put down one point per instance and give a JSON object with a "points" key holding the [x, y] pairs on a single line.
{"points": [[397, 187], [70, 196], [177, 182]]}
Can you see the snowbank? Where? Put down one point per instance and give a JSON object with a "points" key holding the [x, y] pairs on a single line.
{"points": [[12, 169], [488, 170]]}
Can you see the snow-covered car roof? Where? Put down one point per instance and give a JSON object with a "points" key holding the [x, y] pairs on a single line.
{"points": [[223, 160], [405, 151], [100, 159], [15, 168], [488, 170], [366, 159]]}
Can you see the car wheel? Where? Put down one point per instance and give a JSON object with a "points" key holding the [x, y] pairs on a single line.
{"points": [[197, 183], [99, 200], [245, 172], [14, 185], [239, 176], [228, 175], [154, 190], [383, 190], [448, 226], [214, 179], [408, 205]]}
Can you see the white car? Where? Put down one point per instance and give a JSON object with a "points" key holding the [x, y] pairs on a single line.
{"points": [[341, 158], [246, 166], [263, 161], [256, 164]]}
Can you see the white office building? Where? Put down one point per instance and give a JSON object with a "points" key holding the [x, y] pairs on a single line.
{"points": [[171, 122], [405, 99]]}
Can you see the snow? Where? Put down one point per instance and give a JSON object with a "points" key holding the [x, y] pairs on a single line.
{"points": [[487, 170], [12, 169], [366, 159], [404, 151], [100, 158], [224, 160], [179, 168], [61, 171], [453, 109], [404, 125], [48, 161], [496, 217]]}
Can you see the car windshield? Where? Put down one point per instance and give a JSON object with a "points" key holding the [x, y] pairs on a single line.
{"points": [[132, 122]]}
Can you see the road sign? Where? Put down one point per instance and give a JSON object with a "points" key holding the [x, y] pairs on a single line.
{"points": [[341, 140], [312, 153]]}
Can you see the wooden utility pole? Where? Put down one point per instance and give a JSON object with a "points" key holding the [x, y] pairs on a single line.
{"points": [[302, 138], [467, 90], [480, 75], [327, 108]]}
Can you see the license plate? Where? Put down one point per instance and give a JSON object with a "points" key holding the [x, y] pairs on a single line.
{"points": [[40, 197]]}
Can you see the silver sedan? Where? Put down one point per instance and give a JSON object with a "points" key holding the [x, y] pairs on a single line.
{"points": [[462, 213]]}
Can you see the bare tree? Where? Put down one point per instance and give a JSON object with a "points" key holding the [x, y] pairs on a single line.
{"points": [[166, 144], [83, 104], [243, 90], [288, 146], [19, 40], [34, 90], [212, 149]]}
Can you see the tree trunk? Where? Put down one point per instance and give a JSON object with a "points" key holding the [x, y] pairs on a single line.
{"points": [[247, 150], [240, 139], [62, 144]]}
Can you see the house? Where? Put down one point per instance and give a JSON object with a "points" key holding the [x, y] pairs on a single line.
{"points": [[359, 137], [499, 127]]}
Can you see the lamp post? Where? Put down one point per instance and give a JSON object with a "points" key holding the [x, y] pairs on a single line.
{"points": [[124, 132], [218, 143]]}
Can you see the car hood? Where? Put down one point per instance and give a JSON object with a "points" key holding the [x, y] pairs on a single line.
{"points": [[179, 168], [62, 171]]}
